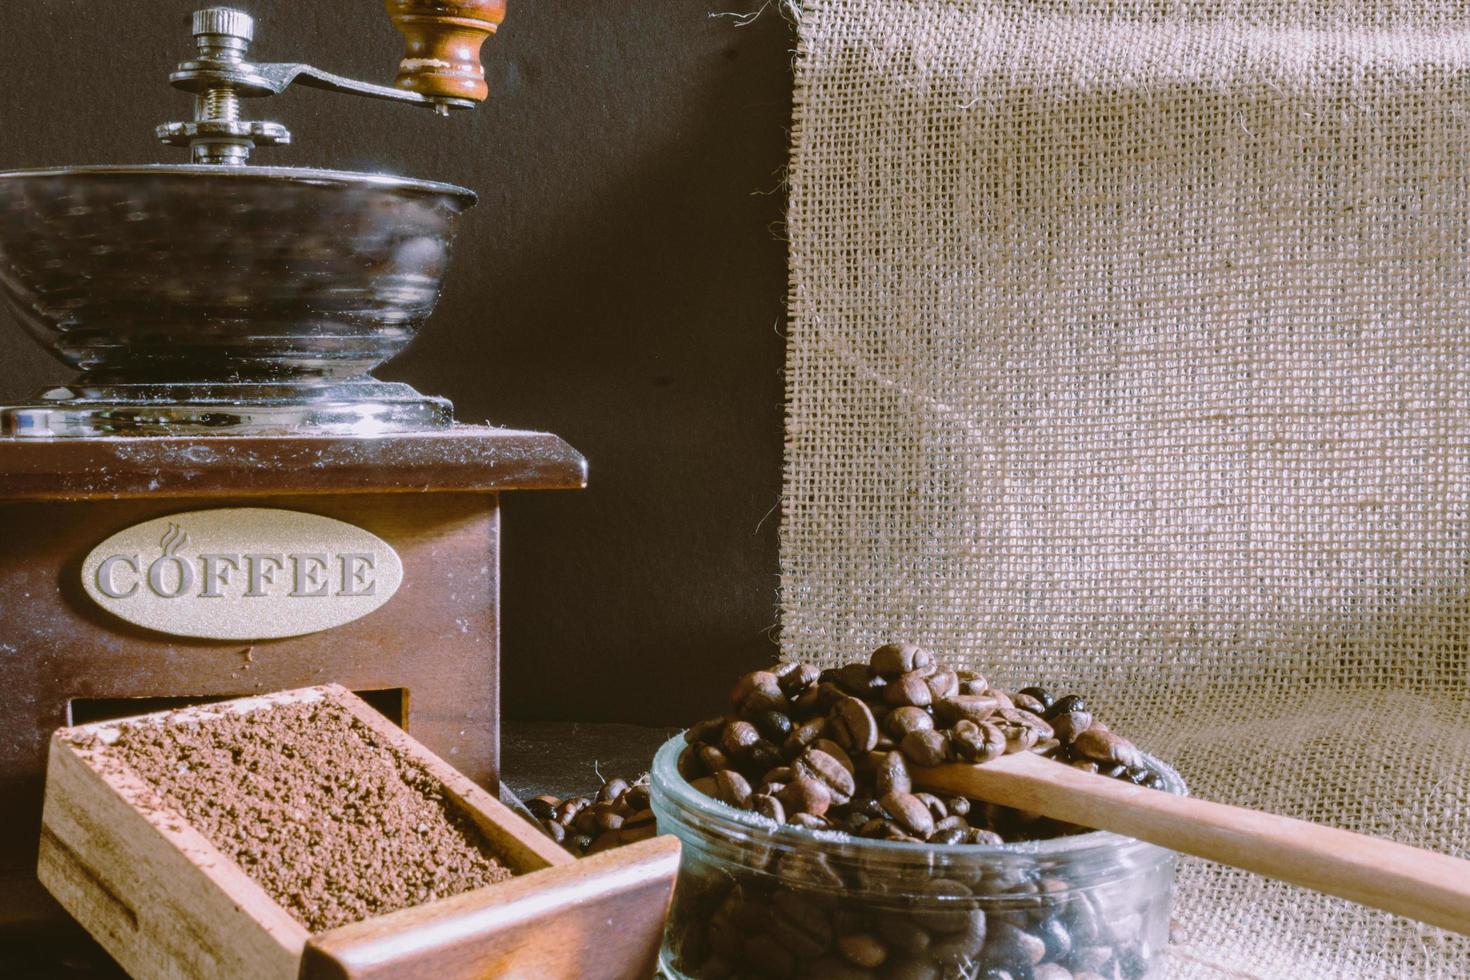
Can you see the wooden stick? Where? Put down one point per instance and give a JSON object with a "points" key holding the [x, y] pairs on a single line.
{"points": [[1407, 881]]}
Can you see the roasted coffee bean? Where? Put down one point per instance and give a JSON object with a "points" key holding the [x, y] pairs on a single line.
{"points": [[780, 774], [837, 752], [567, 810], [795, 677], [852, 726], [958, 949], [908, 689], [809, 821], [948, 836], [941, 906], [637, 797], [902, 935], [880, 827], [1025, 702], [1019, 733], [1012, 948], [805, 795], [758, 691], [818, 765], [554, 830], [857, 680], [893, 659], [862, 949], [1047, 747], [943, 684], [774, 726], [712, 759], [689, 764], [737, 738], [763, 755], [977, 743], [1062, 705], [807, 733], [542, 807], [986, 838], [891, 774], [910, 814], [805, 867], [1069, 724], [964, 707], [925, 748], [800, 925], [1054, 934], [1105, 748], [936, 806], [958, 805], [901, 721], [706, 785], [612, 790], [951, 822], [1039, 693], [816, 699], [768, 806], [705, 731], [732, 788]]}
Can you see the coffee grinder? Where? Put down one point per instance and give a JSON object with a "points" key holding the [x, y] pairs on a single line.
{"points": [[226, 502]]}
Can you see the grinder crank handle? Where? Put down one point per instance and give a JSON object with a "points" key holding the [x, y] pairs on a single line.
{"points": [[1381, 874], [442, 56]]}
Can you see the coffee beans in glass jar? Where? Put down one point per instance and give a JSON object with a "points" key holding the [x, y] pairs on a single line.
{"points": [[832, 749], [809, 853]]}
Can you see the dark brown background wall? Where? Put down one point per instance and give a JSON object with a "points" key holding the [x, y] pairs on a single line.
{"points": [[620, 283]]}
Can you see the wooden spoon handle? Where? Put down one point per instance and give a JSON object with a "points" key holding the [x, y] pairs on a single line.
{"points": [[1408, 881]]}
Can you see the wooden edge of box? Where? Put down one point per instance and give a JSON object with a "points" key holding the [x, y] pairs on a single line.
{"points": [[458, 458], [601, 918], [149, 887], [161, 898]]}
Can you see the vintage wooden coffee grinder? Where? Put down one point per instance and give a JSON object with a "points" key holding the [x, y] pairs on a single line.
{"points": [[225, 501]]}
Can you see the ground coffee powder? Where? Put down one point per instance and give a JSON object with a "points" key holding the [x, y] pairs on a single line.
{"points": [[335, 824]]}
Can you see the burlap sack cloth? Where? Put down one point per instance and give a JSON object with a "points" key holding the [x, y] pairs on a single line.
{"points": [[1130, 353]]}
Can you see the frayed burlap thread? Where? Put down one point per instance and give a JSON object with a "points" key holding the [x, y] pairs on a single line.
{"points": [[1129, 354]]}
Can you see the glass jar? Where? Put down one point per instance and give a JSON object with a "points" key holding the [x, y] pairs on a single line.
{"points": [[756, 898]]}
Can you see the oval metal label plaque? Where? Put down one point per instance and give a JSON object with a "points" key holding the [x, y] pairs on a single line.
{"points": [[242, 573]]}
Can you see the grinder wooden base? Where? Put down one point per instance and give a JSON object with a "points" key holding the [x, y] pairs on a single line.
{"points": [[165, 902], [430, 654]]}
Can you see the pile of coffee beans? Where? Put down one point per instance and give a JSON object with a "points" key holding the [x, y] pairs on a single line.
{"points": [[618, 814], [832, 749]]}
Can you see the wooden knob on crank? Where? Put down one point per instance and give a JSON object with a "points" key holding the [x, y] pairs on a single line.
{"points": [[442, 57]]}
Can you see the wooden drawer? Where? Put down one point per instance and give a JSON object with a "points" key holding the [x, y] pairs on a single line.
{"points": [[166, 902]]}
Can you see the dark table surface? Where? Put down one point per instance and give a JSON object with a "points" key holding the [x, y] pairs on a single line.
{"points": [[559, 758]]}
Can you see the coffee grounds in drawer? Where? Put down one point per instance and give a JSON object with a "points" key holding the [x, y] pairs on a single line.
{"points": [[333, 822]]}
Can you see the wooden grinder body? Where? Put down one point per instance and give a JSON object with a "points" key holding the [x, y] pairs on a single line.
{"points": [[428, 657]]}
